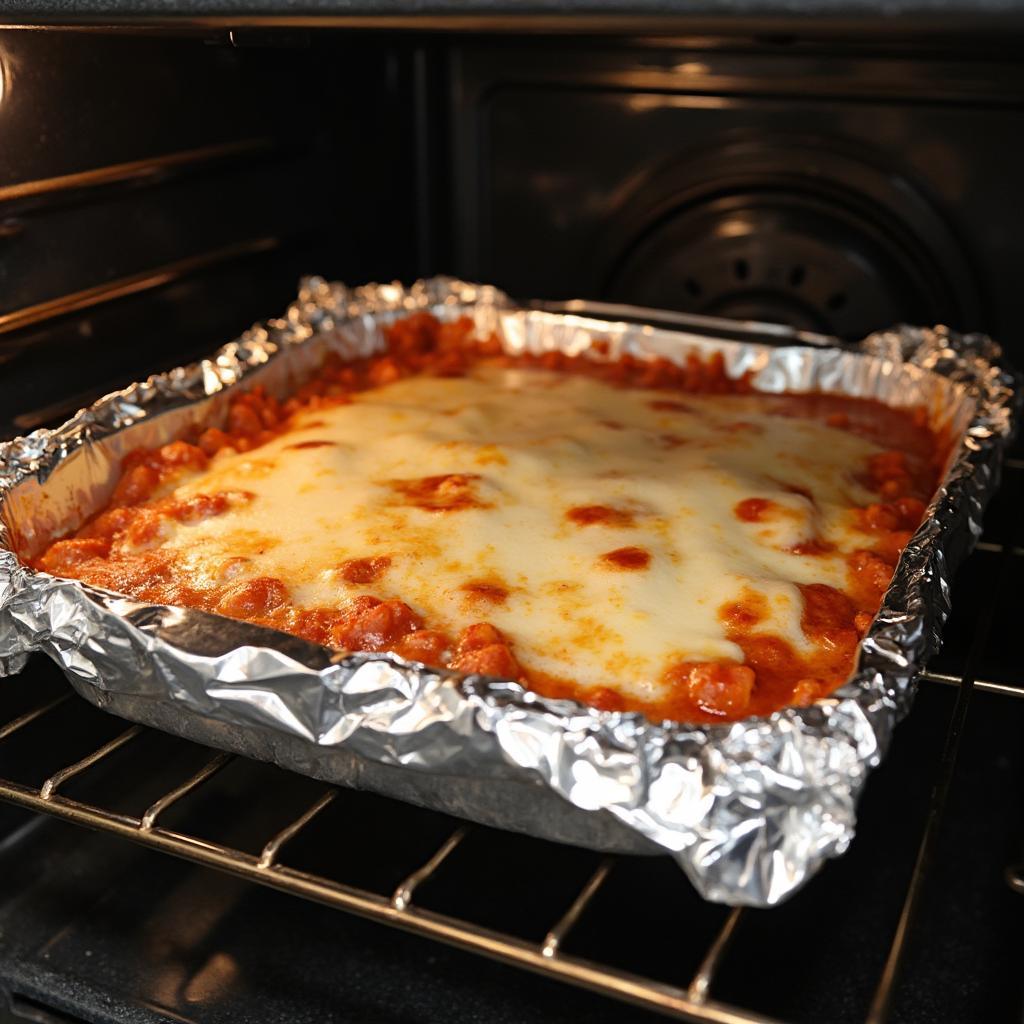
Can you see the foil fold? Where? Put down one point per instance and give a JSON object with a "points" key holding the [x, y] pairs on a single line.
{"points": [[750, 810]]}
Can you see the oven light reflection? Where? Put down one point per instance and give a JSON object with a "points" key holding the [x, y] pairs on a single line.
{"points": [[643, 103], [214, 980]]}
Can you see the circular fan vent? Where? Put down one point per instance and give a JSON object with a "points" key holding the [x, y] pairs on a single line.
{"points": [[814, 252]]}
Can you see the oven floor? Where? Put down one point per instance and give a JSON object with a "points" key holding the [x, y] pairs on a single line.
{"points": [[93, 928]]}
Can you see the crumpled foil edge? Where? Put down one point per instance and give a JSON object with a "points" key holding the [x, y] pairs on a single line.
{"points": [[750, 810]]}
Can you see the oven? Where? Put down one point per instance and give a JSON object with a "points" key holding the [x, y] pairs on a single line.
{"points": [[165, 181]]}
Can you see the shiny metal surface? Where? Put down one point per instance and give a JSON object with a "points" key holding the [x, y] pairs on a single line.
{"points": [[29, 717], [158, 807], [979, 684], [701, 983], [269, 853], [49, 788], [132, 170], [402, 896], [553, 940], [749, 810], [155, 277]]}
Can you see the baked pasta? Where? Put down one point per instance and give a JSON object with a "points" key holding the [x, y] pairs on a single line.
{"points": [[636, 535]]}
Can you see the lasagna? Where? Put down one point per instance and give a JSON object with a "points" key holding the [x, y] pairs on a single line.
{"points": [[637, 535]]}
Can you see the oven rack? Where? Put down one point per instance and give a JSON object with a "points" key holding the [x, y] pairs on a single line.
{"points": [[694, 1002]]}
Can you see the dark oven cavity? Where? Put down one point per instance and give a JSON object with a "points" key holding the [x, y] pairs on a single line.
{"points": [[161, 188]]}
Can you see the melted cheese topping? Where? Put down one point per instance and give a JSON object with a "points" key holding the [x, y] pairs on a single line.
{"points": [[595, 526]]}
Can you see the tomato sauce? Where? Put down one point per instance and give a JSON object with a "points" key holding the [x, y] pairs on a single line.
{"points": [[486, 591], [754, 510], [601, 515], [448, 493], [364, 570], [630, 558]]}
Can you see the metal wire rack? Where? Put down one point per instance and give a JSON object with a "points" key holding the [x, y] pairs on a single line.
{"points": [[399, 909], [695, 1001]]}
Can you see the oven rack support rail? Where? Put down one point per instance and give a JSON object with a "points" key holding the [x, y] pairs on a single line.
{"points": [[399, 910]]}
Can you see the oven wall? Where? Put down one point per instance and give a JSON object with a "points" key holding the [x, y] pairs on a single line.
{"points": [[835, 187], [160, 192]]}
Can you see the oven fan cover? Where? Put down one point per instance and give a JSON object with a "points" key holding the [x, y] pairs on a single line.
{"points": [[803, 236]]}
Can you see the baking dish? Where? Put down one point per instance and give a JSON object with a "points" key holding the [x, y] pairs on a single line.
{"points": [[749, 810]]}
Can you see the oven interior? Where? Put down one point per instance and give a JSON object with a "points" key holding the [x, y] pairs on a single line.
{"points": [[162, 189]]}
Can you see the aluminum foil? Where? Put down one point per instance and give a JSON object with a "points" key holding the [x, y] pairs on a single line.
{"points": [[750, 810]]}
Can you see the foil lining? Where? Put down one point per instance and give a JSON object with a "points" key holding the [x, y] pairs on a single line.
{"points": [[750, 810]]}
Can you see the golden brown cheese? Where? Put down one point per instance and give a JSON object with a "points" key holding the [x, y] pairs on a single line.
{"points": [[535, 448]]}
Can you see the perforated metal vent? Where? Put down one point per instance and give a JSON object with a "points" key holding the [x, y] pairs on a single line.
{"points": [[799, 236]]}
